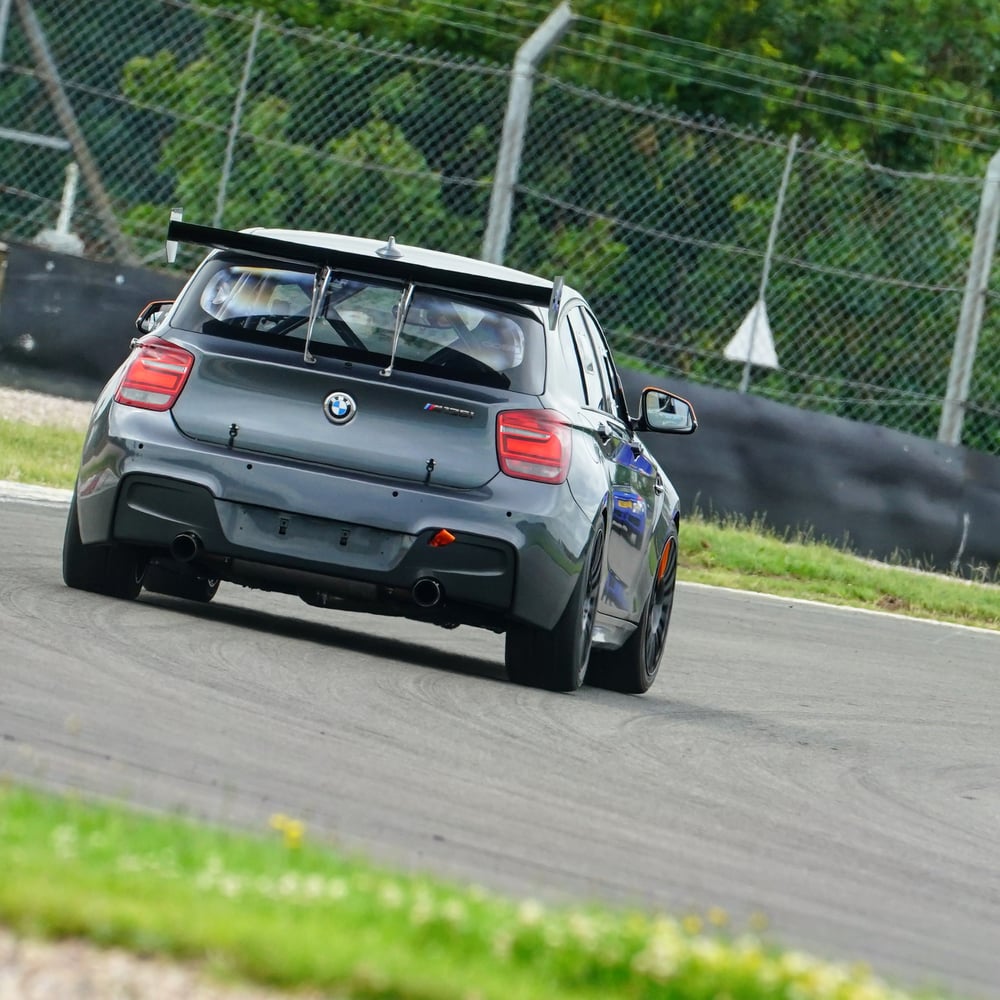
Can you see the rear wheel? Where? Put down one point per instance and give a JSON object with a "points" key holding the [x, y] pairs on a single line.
{"points": [[180, 582], [114, 570], [633, 668], [558, 659]]}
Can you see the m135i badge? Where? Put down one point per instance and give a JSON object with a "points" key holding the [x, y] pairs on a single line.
{"points": [[339, 408], [451, 411]]}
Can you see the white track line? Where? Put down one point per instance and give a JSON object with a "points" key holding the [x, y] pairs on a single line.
{"points": [[47, 495]]}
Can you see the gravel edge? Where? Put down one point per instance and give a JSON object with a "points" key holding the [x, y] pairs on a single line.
{"points": [[40, 409], [33, 969]]}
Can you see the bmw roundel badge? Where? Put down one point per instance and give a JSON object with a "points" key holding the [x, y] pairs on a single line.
{"points": [[339, 408]]}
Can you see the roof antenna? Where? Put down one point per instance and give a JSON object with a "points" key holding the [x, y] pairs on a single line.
{"points": [[390, 250], [402, 308]]}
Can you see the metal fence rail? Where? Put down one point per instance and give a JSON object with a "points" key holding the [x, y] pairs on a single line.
{"points": [[669, 222]]}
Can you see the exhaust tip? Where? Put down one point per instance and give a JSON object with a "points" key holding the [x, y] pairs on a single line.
{"points": [[185, 546], [427, 592]]}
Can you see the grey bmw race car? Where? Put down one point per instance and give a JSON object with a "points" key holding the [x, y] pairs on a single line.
{"points": [[391, 429]]}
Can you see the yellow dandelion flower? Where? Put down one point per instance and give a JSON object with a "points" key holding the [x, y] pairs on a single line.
{"points": [[291, 830], [717, 916], [692, 924]]}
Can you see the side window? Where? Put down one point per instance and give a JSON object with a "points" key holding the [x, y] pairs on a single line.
{"points": [[592, 375], [615, 394], [573, 365]]}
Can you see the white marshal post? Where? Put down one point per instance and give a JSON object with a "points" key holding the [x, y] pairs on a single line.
{"points": [[753, 343]]}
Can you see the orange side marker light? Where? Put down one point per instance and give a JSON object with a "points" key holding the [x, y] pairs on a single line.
{"points": [[665, 558]]}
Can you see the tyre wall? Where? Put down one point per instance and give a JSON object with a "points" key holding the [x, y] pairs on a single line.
{"points": [[881, 491], [60, 313]]}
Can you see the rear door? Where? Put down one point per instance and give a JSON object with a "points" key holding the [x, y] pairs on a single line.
{"points": [[635, 499]]}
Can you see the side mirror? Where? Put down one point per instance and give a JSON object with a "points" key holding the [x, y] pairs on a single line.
{"points": [[152, 315], [666, 412]]}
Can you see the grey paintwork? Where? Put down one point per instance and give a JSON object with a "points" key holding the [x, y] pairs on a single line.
{"points": [[247, 462]]}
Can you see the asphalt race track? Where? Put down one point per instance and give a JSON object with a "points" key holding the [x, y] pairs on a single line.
{"points": [[837, 771]]}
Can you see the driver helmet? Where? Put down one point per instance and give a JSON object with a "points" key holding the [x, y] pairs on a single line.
{"points": [[439, 314], [217, 292], [498, 342]]}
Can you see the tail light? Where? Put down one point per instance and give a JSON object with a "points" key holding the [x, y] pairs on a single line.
{"points": [[155, 375], [534, 444]]}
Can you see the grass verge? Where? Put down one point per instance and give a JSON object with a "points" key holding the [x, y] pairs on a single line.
{"points": [[732, 552], [45, 456], [278, 910]]}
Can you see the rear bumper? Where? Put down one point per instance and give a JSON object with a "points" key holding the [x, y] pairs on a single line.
{"points": [[519, 545], [282, 550]]}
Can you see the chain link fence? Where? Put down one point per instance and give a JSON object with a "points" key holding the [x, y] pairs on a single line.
{"points": [[671, 224]]}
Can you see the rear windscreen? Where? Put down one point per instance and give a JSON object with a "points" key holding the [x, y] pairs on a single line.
{"points": [[452, 336]]}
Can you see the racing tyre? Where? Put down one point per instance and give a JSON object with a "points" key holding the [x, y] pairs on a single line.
{"points": [[114, 570], [632, 668], [558, 659], [177, 583]]}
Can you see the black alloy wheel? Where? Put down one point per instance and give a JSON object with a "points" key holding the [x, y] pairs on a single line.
{"points": [[558, 659], [633, 668], [115, 570]]}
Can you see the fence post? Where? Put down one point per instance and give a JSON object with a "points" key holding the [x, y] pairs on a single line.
{"points": [[529, 55], [4, 21], [234, 125], [970, 319]]}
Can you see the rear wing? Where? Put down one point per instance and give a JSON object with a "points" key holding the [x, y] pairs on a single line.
{"points": [[538, 293]]}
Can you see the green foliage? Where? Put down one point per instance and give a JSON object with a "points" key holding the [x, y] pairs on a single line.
{"points": [[362, 140], [942, 49]]}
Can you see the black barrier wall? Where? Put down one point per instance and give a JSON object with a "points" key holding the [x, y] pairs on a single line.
{"points": [[67, 314], [882, 492]]}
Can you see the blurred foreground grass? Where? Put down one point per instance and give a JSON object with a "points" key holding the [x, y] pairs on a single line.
{"points": [[282, 911]]}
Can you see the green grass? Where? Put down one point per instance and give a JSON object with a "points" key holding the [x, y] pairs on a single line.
{"points": [[732, 552], [46, 456], [279, 910]]}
